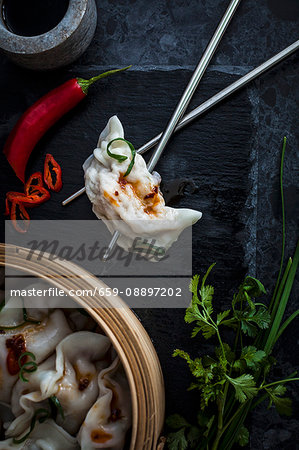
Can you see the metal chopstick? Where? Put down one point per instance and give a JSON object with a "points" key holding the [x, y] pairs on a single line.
{"points": [[185, 99], [208, 104]]}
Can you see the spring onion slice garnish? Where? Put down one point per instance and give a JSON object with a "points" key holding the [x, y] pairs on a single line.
{"points": [[29, 366], [122, 158], [41, 415], [53, 400], [28, 319]]}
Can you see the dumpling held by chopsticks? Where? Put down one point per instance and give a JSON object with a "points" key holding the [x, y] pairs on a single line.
{"points": [[127, 197]]}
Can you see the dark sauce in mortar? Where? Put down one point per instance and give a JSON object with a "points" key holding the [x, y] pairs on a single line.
{"points": [[33, 17]]}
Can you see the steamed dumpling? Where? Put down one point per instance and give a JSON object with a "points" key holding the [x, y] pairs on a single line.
{"points": [[109, 419], [70, 375], [45, 436], [39, 339], [132, 205]]}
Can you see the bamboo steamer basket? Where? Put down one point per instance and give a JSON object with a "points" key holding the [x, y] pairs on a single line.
{"points": [[123, 328]]}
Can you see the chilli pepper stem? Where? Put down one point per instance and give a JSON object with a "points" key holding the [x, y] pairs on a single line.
{"points": [[85, 84]]}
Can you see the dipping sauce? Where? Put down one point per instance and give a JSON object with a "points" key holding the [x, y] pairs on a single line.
{"points": [[33, 17]]}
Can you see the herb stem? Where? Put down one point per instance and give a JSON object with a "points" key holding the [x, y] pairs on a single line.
{"points": [[283, 222], [286, 380]]}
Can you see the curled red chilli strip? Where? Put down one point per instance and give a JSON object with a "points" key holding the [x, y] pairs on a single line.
{"points": [[18, 214]]}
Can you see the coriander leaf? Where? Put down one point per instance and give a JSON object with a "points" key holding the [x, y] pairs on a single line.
{"points": [[195, 366], [177, 440], [248, 328], [262, 318], [193, 314], [283, 405], [222, 316], [243, 436], [206, 329], [206, 293], [183, 355], [253, 287], [193, 287], [193, 436], [244, 386], [195, 331], [202, 322], [252, 356], [175, 421], [207, 274], [280, 389], [202, 420], [229, 354], [249, 301], [250, 320]]}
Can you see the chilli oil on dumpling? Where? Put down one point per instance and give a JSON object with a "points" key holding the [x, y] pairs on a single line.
{"points": [[109, 419], [131, 203], [40, 339]]}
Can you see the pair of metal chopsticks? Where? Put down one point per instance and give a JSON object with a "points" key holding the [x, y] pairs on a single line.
{"points": [[184, 101], [175, 123]]}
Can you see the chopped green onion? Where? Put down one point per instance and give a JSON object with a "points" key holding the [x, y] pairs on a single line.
{"points": [[57, 405], [44, 415], [29, 366], [26, 354], [25, 318], [122, 158]]}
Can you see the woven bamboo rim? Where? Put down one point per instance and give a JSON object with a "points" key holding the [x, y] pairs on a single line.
{"points": [[126, 333]]}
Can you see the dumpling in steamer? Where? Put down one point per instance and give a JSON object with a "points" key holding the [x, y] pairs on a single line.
{"points": [[71, 376], [45, 436], [39, 339], [132, 205], [109, 419]]}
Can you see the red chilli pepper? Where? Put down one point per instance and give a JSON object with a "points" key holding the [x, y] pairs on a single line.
{"points": [[41, 116], [52, 173]]}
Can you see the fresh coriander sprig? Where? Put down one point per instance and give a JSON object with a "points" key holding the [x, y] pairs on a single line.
{"points": [[234, 380]]}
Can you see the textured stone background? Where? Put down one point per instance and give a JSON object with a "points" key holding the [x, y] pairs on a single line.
{"points": [[232, 153]]}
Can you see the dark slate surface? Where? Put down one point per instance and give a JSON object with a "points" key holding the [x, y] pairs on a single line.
{"points": [[231, 154]]}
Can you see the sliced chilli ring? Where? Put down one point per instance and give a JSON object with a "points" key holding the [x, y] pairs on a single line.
{"points": [[52, 173], [34, 181]]}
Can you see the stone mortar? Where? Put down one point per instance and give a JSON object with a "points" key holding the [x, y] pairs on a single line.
{"points": [[59, 46]]}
